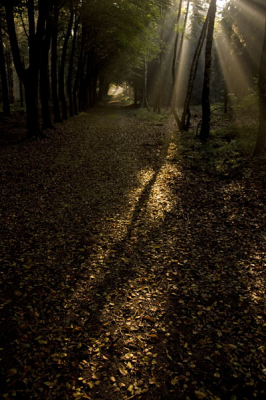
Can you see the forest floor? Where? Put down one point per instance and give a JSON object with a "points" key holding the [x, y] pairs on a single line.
{"points": [[126, 273]]}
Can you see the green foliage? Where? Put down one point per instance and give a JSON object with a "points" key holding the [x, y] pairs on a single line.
{"points": [[231, 143], [219, 156]]}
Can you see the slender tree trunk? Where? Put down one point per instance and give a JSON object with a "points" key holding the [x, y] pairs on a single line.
{"points": [[54, 62], [5, 95], [81, 63], [145, 93], [94, 88], [206, 111], [157, 105], [174, 97], [193, 70], [70, 71], [21, 87], [225, 98], [63, 63], [176, 42], [261, 136], [31, 99], [84, 84], [183, 34], [10, 77], [44, 79]]}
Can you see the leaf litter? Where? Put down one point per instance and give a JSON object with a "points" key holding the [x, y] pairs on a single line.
{"points": [[126, 274]]}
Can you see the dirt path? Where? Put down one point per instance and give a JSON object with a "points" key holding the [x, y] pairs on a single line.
{"points": [[124, 274]]}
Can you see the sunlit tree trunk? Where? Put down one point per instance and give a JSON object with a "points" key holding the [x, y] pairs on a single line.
{"points": [[183, 35], [192, 75], [176, 42], [178, 53], [261, 136], [206, 111]]}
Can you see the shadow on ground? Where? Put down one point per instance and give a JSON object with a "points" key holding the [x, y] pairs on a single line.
{"points": [[146, 280]]}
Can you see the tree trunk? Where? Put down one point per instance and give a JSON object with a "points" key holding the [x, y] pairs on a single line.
{"points": [[94, 88], [174, 97], [157, 105], [193, 70], [103, 88], [10, 76], [261, 136], [5, 95], [176, 42], [225, 98], [81, 63], [145, 93], [183, 33], [21, 87], [206, 111], [54, 61], [84, 84], [63, 63], [31, 98], [29, 77], [70, 71], [44, 79]]}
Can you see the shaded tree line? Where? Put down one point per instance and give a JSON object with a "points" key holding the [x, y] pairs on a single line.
{"points": [[70, 47], [67, 53]]}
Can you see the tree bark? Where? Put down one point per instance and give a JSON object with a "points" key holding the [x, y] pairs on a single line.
{"points": [[81, 63], [193, 70], [29, 76], [54, 62], [70, 70], [157, 105], [10, 77], [31, 99], [206, 111], [261, 136], [63, 63], [225, 98], [5, 95], [145, 93], [44, 79]]}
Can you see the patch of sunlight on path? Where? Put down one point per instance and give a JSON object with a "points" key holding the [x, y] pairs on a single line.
{"points": [[146, 206]]}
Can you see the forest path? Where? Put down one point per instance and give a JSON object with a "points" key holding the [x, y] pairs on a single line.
{"points": [[124, 273]]}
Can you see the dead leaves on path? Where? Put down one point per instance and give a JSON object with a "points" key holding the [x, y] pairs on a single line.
{"points": [[125, 274]]}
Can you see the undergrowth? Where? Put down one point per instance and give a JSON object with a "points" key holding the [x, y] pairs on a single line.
{"points": [[229, 149]]}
